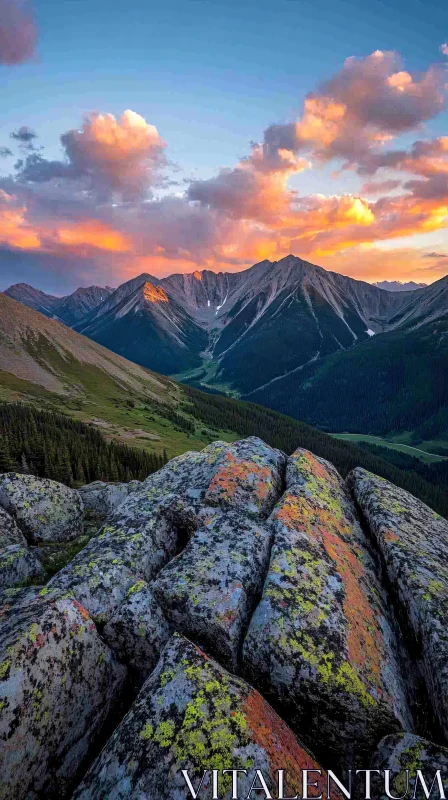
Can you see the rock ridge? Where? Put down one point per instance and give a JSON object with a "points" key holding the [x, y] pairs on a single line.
{"points": [[238, 597]]}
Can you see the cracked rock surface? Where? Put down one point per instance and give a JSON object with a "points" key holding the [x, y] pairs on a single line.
{"points": [[230, 583]]}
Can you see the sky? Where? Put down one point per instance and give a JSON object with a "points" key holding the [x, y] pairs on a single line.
{"points": [[161, 138]]}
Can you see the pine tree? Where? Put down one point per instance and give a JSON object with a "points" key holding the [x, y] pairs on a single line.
{"points": [[6, 462], [24, 468]]}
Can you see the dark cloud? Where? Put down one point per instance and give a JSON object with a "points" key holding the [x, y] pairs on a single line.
{"points": [[18, 35], [5, 152], [24, 135]]}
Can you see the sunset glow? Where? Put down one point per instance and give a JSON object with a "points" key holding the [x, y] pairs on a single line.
{"points": [[116, 195]]}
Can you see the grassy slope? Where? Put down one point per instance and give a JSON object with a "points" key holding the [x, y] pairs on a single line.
{"points": [[137, 417], [121, 414], [420, 452]]}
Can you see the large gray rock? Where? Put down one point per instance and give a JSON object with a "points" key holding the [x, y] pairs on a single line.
{"points": [[152, 524], [192, 715], [58, 682], [248, 477], [17, 597], [138, 630], [10, 533], [46, 511], [414, 542], [19, 564], [321, 642], [209, 591], [404, 751], [101, 498]]}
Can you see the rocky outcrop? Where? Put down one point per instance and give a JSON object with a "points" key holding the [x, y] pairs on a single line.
{"points": [[192, 715], [58, 681], [413, 540], [209, 591], [138, 630], [10, 532], [405, 751], [264, 563], [45, 511], [101, 498], [19, 564], [321, 641]]}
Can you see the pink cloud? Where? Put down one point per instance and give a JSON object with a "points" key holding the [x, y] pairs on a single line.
{"points": [[113, 155], [379, 187], [18, 35], [368, 102]]}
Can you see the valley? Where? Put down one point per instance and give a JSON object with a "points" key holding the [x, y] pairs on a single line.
{"points": [[423, 453], [323, 348], [51, 368]]}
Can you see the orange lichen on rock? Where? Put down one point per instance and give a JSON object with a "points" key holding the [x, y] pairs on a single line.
{"points": [[237, 475], [281, 746]]}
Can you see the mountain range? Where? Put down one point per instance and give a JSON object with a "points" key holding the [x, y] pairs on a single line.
{"points": [[398, 286], [69, 309], [45, 364], [287, 334]]}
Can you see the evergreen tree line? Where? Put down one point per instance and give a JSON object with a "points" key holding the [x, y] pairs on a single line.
{"points": [[250, 419], [51, 445]]}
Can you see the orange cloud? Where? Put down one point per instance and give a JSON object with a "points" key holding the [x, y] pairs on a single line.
{"points": [[249, 212], [93, 234], [375, 264], [120, 154], [17, 232], [255, 189], [110, 155], [14, 229], [367, 103]]}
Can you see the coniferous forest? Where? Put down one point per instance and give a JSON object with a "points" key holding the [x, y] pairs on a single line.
{"points": [[53, 446]]}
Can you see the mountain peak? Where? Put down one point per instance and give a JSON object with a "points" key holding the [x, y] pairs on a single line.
{"points": [[154, 294]]}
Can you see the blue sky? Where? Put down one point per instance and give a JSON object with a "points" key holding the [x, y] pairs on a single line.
{"points": [[211, 76]]}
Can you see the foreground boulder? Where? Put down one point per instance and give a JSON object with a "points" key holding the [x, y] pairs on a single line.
{"points": [[209, 591], [192, 715], [413, 540], [101, 498], [404, 751], [46, 511], [153, 524], [321, 642], [18, 565], [10, 533], [58, 682], [138, 630]]}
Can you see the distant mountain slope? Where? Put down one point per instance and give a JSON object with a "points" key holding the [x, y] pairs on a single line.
{"points": [[425, 306], [149, 328], [69, 309], [34, 298], [245, 328], [76, 306], [398, 286], [395, 381], [47, 365], [44, 352], [245, 332]]}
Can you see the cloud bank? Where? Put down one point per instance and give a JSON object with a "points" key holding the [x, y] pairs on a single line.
{"points": [[106, 199]]}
